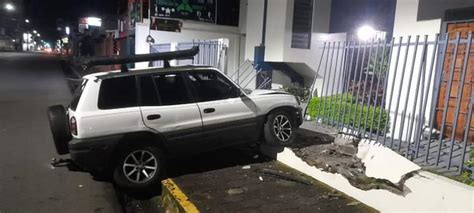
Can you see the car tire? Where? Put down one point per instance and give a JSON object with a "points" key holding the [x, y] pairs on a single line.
{"points": [[279, 128], [58, 123], [139, 169]]}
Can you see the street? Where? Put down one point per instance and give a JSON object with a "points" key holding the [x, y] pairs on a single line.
{"points": [[29, 83]]}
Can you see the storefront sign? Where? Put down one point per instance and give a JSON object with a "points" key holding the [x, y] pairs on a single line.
{"points": [[198, 10]]}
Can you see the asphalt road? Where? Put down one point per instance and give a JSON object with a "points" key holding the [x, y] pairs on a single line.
{"points": [[29, 83]]}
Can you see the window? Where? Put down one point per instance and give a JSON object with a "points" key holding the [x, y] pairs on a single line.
{"points": [[117, 92], [171, 89], [77, 95], [149, 96], [302, 24], [211, 86]]}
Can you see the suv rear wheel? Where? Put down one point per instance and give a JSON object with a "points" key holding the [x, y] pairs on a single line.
{"points": [[139, 168], [279, 128]]}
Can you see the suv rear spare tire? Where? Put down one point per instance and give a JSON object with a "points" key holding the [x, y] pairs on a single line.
{"points": [[58, 122]]}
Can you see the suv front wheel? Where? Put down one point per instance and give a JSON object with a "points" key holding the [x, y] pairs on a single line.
{"points": [[279, 128], [139, 168]]}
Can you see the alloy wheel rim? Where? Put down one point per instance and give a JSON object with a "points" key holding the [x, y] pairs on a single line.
{"points": [[282, 127], [140, 166]]}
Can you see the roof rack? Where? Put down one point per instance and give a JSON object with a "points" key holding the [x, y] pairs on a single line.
{"points": [[124, 60]]}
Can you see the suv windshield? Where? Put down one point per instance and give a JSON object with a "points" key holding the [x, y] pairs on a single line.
{"points": [[77, 95]]}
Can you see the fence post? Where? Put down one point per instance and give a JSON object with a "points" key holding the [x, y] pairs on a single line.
{"points": [[433, 101], [459, 97], [422, 69], [399, 91], [425, 98], [446, 100]]}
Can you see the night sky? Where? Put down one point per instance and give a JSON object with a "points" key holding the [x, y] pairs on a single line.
{"points": [[43, 14], [348, 15]]}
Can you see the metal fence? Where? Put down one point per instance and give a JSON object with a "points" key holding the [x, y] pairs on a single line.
{"points": [[413, 94]]}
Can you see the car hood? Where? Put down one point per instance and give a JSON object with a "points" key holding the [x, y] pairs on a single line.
{"points": [[259, 92]]}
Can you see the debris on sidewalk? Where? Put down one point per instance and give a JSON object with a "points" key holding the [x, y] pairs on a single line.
{"points": [[246, 167], [339, 155]]}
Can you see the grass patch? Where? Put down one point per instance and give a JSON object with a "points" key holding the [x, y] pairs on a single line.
{"points": [[356, 115]]}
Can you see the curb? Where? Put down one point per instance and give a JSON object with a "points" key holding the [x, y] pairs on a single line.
{"points": [[174, 200]]}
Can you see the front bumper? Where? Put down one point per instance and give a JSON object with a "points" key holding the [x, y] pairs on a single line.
{"points": [[299, 116], [93, 154]]}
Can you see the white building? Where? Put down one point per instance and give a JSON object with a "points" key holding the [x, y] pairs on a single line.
{"points": [[242, 40]]}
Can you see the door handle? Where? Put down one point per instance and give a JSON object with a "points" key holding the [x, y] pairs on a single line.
{"points": [[153, 117], [209, 110]]}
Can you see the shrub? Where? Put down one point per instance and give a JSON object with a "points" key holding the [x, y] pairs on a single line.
{"points": [[332, 109], [300, 92]]}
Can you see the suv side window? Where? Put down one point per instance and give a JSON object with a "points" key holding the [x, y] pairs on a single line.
{"points": [[148, 94], [118, 92], [171, 89], [211, 85]]}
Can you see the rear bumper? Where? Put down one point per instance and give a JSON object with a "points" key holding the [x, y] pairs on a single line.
{"points": [[93, 154]]}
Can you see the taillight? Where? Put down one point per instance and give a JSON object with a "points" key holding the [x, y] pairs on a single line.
{"points": [[73, 126]]}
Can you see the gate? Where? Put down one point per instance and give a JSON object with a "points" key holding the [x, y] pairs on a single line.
{"points": [[413, 94]]}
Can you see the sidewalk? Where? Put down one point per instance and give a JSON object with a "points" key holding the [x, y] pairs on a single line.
{"points": [[424, 191], [237, 180]]}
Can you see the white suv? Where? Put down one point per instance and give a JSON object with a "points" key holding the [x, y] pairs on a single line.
{"points": [[127, 123]]}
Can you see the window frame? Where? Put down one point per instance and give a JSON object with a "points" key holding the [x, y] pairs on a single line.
{"points": [[100, 92], [190, 97], [196, 96]]}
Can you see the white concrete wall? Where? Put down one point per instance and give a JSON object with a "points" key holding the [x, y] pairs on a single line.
{"points": [[406, 24], [191, 31]]}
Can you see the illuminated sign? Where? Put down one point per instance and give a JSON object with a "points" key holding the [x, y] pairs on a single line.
{"points": [[199, 10]]}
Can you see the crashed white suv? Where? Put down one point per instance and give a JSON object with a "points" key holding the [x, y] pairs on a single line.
{"points": [[127, 123]]}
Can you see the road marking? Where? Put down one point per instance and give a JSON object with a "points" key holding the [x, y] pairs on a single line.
{"points": [[179, 196]]}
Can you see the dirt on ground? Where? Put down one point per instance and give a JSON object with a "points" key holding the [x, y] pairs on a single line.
{"points": [[337, 153]]}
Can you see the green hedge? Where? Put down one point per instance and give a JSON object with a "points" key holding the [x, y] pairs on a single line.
{"points": [[334, 110]]}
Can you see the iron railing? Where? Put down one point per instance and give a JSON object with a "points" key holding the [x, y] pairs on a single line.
{"points": [[414, 95]]}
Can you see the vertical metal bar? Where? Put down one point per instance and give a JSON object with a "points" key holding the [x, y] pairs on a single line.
{"points": [[436, 90], [384, 85], [425, 97], [363, 93], [331, 114], [348, 69], [412, 70], [358, 88], [421, 70], [399, 91], [371, 87], [446, 100], [392, 89], [329, 81], [324, 80], [459, 97], [352, 89], [341, 79], [313, 86], [467, 127]]}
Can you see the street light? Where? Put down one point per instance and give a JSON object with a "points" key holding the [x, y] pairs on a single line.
{"points": [[34, 32], [39, 35], [27, 21], [9, 7], [68, 30], [366, 33]]}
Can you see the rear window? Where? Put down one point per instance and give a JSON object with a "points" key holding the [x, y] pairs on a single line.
{"points": [[77, 95], [118, 93]]}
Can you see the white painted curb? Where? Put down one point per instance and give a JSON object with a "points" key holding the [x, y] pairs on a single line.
{"points": [[429, 192]]}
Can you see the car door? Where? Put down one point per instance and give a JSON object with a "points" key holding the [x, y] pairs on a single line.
{"points": [[167, 108], [228, 116]]}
